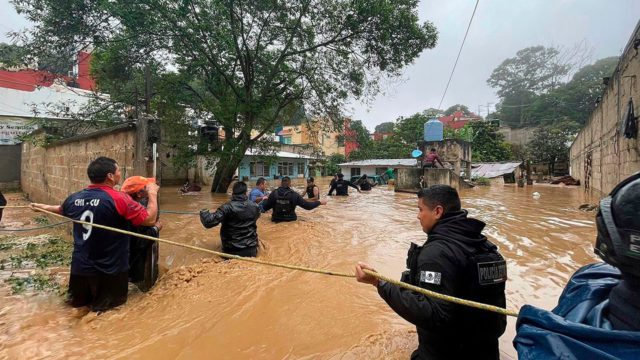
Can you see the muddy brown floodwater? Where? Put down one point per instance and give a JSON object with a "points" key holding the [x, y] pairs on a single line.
{"points": [[205, 309]]}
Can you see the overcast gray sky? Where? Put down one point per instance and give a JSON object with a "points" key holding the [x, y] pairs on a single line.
{"points": [[500, 28]]}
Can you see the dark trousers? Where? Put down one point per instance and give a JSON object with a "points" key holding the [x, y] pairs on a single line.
{"points": [[99, 292], [245, 252]]}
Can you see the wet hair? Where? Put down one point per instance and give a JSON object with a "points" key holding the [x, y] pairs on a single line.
{"points": [[286, 181], [364, 176], [310, 179], [433, 149], [442, 195], [239, 188], [260, 181], [340, 176], [99, 168]]}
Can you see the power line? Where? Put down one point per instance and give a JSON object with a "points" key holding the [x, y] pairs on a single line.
{"points": [[459, 52]]}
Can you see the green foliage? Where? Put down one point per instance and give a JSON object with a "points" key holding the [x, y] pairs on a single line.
{"points": [[535, 69], [55, 252], [41, 220], [488, 145], [575, 100], [331, 166], [533, 88], [385, 127], [12, 55], [550, 144], [247, 64], [465, 133], [482, 181], [465, 110]]}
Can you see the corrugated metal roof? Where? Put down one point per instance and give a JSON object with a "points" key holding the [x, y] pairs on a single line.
{"points": [[41, 100], [491, 170], [280, 154], [383, 162]]}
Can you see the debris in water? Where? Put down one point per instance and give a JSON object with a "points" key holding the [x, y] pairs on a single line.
{"points": [[536, 195]]}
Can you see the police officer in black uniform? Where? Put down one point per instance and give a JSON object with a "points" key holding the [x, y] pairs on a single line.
{"points": [[284, 200], [365, 185], [341, 187], [456, 260], [239, 232]]}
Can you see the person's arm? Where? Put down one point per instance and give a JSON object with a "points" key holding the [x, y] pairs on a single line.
{"points": [[210, 220], [307, 205], [316, 193], [419, 309], [52, 208], [271, 200], [332, 189], [353, 186], [152, 205]]}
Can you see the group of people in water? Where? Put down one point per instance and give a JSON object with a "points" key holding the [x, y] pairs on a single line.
{"points": [[456, 260]]}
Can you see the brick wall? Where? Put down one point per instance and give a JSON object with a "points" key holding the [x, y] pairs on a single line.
{"points": [[601, 156], [49, 174]]}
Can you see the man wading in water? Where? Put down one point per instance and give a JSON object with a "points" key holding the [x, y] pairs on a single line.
{"points": [[239, 232], [283, 201], [341, 187], [312, 191], [456, 260], [100, 260]]}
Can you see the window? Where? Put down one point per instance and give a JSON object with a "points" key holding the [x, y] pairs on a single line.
{"points": [[301, 168], [380, 171], [257, 169], [285, 168], [355, 171], [286, 139]]}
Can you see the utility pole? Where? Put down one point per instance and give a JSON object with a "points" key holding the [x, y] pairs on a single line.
{"points": [[488, 107], [147, 88]]}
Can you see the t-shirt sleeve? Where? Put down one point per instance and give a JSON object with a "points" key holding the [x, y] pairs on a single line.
{"points": [[64, 208], [131, 210]]}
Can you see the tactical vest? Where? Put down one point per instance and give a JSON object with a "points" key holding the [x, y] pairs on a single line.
{"points": [[484, 278], [283, 207]]}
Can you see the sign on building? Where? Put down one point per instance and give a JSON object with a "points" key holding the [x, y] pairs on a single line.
{"points": [[11, 130]]}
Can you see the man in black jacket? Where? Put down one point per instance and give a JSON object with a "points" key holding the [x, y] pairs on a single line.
{"points": [[456, 260], [239, 232], [284, 200], [341, 186], [365, 185]]}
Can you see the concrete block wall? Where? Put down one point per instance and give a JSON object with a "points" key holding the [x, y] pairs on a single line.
{"points": [[50, 174], [601, 156]]}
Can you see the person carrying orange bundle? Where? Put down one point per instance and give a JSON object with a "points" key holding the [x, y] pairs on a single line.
{"points": [[143, 253]]}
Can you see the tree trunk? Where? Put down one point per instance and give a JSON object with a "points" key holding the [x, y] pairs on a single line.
{"points": [[225, 168]]}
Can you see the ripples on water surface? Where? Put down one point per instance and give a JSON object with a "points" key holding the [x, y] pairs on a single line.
{"points": [[204, 309]]}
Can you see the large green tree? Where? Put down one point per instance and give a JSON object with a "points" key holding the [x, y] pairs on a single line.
{"points": [[535, 69], [575, 100], [248, 64], [550, 144], [488, 144]]}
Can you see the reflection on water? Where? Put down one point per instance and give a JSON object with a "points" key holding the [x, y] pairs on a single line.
{"points": [[203, 308]]}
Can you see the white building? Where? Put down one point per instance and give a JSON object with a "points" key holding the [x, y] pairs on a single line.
{"points": [[375, 166]]}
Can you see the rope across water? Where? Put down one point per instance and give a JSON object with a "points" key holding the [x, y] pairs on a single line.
{"points": [[420, 290]]}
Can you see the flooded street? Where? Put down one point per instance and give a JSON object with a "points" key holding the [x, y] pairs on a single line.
{"points": [[206, 309]]}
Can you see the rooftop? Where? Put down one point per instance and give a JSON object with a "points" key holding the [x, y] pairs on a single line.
{"points": [[383, 162], [280, 154], [491, 170]]}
